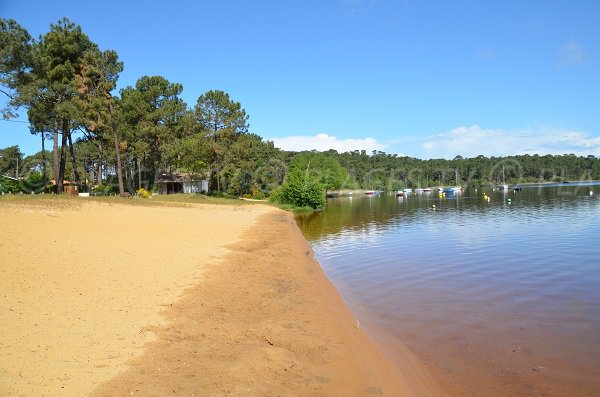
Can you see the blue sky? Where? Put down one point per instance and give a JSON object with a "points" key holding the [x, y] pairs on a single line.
{"points": [[422, 78]]}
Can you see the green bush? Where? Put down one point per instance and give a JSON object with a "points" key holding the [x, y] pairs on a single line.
{"points": [[301, 190], [258, 194], [9, 186], [102, 190]]}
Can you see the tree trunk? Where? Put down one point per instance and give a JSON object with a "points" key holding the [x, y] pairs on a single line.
{"points": [[44, 178], [117, 148], [73, 162], [99, 176], [55, 152], [139, 167], [63, 157]]}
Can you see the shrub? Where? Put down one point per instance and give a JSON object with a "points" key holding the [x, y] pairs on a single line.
{"points": [[102, 190], [143, 193], [9, 185], [301, 190], [257, 194]]}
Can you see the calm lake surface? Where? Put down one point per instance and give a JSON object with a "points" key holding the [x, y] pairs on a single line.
{"points": [[498, 298]]}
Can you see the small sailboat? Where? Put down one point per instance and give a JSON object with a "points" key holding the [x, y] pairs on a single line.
{"points": [[454, 189], [400, 193], [503, 186]]}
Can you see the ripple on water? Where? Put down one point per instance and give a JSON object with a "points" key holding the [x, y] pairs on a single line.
{"points": [[474, 286]]}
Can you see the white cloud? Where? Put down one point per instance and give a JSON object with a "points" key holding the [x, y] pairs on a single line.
{"points": [[570, 54], [474, 140], [323, 142]]}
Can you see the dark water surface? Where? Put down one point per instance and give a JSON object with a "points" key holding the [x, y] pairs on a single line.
{"points": [[498, 298]]}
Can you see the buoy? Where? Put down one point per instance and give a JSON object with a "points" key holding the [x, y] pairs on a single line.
{"points": [[433, 206], [489, 199], [591, 192]]}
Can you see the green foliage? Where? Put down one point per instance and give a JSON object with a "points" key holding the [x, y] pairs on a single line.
{"points": [[325, 166], [9, 157], [301, 189], [152, 114], [222, 121], [102, 190], [242, 184], [15, 61], [9, 186]]}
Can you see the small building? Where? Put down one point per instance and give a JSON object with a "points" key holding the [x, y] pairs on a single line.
{"points": [[181, 183]]}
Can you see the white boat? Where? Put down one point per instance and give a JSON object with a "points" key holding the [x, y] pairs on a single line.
{"points": [[453, 189], [399, 193], [407, 190], [504, 186], [428, 189], [419, 190]]}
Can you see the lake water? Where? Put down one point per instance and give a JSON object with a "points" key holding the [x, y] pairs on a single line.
{"points": [[496, 298]]}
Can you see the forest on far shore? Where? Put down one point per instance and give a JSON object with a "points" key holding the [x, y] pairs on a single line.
{"points": [[118, 143]]}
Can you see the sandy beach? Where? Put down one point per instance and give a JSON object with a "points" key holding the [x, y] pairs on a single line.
{"points": [[110, 299]]}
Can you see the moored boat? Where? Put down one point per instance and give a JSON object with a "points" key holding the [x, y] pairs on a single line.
{"points": [[453, 189]]}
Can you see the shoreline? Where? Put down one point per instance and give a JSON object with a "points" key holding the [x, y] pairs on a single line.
{"points": [[260, 318], [302, 340]]}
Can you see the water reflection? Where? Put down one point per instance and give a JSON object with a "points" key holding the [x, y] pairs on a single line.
{"points": [[468, 281]]}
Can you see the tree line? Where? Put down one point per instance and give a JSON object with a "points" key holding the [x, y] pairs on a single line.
{"points": [[126, 141]]}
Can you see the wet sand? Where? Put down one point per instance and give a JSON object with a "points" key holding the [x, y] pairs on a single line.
{"points": [[202, 300]]}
